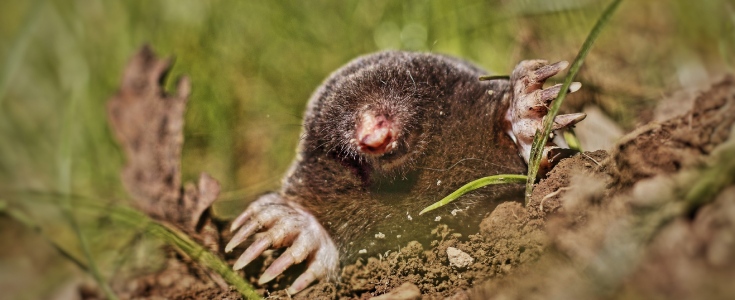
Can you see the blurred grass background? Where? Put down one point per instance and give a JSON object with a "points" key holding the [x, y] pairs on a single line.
{"points": [[253, 65]]}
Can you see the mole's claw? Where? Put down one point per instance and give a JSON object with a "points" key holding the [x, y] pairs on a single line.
{"points": [[260, 208], [277, 267], [544, 72], [568, 120], [240, 220], [303, 281], [548, 94], [252, 252], [575, 86], [242, 235]]}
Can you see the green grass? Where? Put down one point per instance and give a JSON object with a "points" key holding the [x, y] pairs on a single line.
{"points": [[476, 184]]}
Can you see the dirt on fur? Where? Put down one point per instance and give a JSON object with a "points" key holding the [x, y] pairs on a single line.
{"points": [[653, 218]]}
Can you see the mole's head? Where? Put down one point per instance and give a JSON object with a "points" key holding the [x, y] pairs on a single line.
{"points": [[373, 111]]}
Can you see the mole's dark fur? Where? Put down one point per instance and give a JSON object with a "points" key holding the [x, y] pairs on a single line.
{"points": [[451, 130], [384, 137]]}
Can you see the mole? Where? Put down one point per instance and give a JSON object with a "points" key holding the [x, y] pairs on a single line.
{"points": [[385, 136]]}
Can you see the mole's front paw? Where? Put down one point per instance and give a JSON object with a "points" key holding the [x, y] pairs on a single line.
{"points": [[285, 224], [530, 104]]}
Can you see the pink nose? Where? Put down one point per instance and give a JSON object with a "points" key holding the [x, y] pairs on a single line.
{"points": [[375, 134]]}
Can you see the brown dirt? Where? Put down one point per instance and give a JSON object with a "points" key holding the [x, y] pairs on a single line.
{"points": [[654, 218]]}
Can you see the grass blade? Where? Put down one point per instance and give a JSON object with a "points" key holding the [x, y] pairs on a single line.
{"points": [[541, 137], [19, 46], [495, 179]]}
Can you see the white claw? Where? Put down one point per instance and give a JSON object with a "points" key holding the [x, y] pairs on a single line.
{"points": [[303, 281], [242, 235], [240, 220], [564, 121], [251, 253], [277, 267], [575, 86]]}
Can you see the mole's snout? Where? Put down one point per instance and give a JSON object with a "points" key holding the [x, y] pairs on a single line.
{"points": [[375, 134]]}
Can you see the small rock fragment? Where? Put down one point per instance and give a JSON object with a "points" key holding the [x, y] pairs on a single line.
{"points": [[458, 258]]}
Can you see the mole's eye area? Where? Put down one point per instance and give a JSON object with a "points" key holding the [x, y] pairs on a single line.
{"points": [[375, 134]]}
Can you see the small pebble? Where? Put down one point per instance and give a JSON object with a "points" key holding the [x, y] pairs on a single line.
{"points": [[458, 258]]}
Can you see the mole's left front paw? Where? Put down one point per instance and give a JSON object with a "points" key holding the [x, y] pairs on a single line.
{"points": [[530, 104], [285, 224]]}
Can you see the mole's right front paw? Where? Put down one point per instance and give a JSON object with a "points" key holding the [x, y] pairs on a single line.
{"points": [[285, 224], [530, 103]]}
